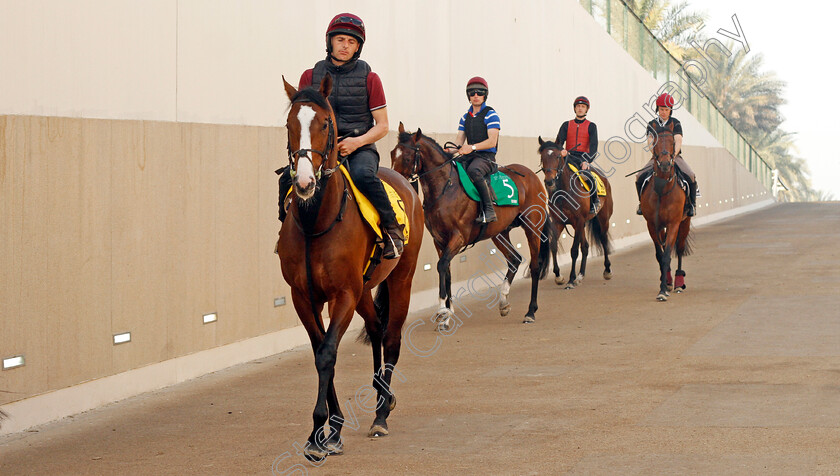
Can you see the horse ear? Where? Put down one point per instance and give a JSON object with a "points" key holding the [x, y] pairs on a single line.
{"points": [[326, 85], [417, 135], [401, 128], [290, 90], [539, 138]]}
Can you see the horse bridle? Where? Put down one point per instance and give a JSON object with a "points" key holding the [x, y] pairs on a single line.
{"points": [[323, 153], [414, 175], [671, 159]]}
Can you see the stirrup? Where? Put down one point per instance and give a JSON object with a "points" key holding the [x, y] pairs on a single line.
{"points": [[391, 248], [639, 210]]}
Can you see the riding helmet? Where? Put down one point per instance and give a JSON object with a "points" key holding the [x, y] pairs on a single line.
{"points": [[477, 82], [346, 24]]}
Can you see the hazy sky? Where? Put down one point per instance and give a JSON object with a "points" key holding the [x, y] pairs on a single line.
{"points": [[797, 42]]}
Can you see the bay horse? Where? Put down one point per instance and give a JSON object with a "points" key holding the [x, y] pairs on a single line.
{"points": [[323, 246], [450, 216], [663, 206], [569, 205]]}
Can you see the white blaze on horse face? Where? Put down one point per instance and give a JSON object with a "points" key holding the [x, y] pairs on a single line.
{"points": [[398, 154], [304, 172]]}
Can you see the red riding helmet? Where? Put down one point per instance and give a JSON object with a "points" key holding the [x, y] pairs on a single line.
{"points": [[477, 82], [346, 24], [581, 100], [665, 100]]}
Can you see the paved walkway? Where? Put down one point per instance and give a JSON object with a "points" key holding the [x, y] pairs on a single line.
{"points": [[739, 375]]}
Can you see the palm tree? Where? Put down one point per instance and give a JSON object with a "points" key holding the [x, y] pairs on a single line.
{"points": [[673, 25], [748, 96]]}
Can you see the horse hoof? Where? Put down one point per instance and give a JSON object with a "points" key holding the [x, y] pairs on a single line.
{"points": [[504, 310], [607, 275], [669, 288], [314, 454], [578, 281], [335, 448], [559, 281], [393, 404], [444, 326], [441, 315], [377, 431], [662, 297], [570, 286], [679, 290], [528, 320]]}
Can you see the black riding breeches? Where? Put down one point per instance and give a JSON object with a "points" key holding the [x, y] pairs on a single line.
{"points": [[480, 164], [363, 165]]}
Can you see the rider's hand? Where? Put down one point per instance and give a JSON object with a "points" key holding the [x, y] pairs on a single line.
{"points": [[584, 165], [465, 149], [563, 152], [349, 145]]}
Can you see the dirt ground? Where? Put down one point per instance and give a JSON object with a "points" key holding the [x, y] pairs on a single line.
{"points": [[738, 375]]}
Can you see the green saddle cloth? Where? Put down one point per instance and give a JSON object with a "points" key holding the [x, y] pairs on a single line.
{"points": [[503, 187]]}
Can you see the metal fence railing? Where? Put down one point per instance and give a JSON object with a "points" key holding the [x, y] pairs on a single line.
{"points": [[622, 24]]}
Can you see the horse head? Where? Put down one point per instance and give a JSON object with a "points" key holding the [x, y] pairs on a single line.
{"points": [[312, 136], [416, 155], [663, 154], [551, 162]]}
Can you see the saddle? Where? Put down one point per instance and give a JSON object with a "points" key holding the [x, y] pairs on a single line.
{"points": [[599, 184], [503, 189]]}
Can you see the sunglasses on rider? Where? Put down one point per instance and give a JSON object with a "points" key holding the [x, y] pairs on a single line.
{"points": [[473, 92], [351, 20]]}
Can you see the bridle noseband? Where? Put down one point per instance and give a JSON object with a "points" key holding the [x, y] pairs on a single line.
{"points": [[323, 153]]}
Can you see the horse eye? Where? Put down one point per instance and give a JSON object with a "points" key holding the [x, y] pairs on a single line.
{"points": [[325, 126]]}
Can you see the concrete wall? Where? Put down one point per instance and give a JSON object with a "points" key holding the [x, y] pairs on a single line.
{"points": [[138, 143]]}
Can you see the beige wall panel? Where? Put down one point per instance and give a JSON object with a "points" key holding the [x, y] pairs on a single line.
{"points": [[200, 217], [271, 155], [88, 58], [16, 331], [79, 278], [236, 193], [139, 246]]}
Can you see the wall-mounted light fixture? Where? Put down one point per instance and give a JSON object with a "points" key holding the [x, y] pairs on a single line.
{"points": [[208, 318], [12, 362], [122, 338]]}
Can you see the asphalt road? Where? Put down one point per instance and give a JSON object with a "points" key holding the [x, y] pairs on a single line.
{"points": [[738, 375]]}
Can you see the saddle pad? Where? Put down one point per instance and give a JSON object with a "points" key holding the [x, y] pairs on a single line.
{"points": [[369, 212], [503, 186], [602, 190]]}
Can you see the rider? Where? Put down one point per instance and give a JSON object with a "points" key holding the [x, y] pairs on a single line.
{"points": [[477, 140], [664, 122], [579, 139], [358, 100]]}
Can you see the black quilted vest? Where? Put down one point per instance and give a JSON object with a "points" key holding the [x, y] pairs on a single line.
{"points": [[349, 96], [475, 128]]}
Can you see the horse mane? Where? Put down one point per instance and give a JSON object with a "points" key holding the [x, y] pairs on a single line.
{"points": [[405, 137], [548, 145], [310, 94]]}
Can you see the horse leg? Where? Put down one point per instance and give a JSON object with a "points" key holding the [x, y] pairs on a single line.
{"points": [[555, 240], [682, 250], [444, 313], [513, 260], [574, 253], [398, 289], [534, 241], [325, 356], [670, 239], [584, 252], [603, 237]]}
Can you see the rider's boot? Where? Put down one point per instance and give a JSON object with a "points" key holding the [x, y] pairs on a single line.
{"points": [[639, 193], [692, 199], [594, 200], [488, 213], [284, 184], [393, 238]]}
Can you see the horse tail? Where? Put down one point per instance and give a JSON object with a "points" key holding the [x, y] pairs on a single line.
{"points": [[545, 248], [685, 246], [381, 305], [599, 237]]}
